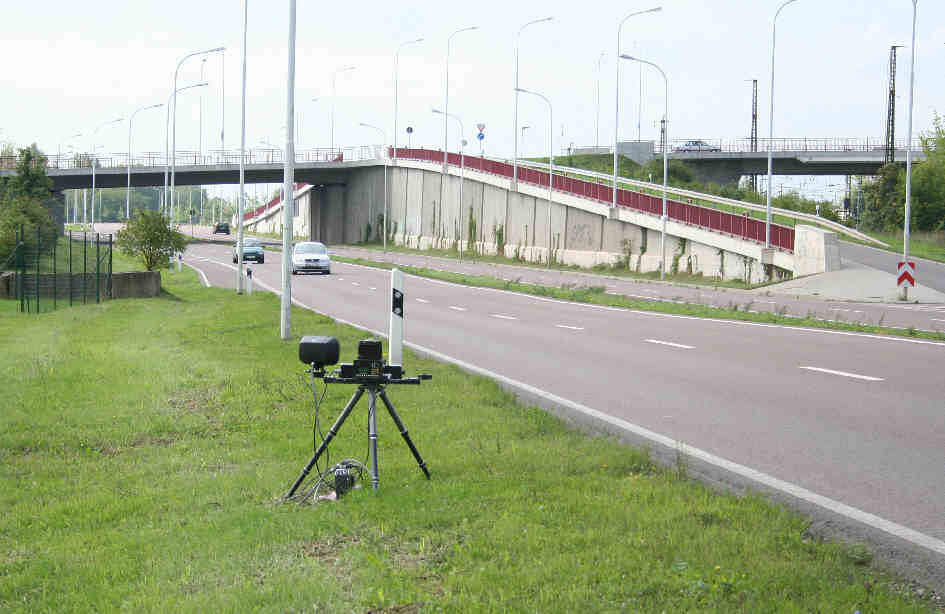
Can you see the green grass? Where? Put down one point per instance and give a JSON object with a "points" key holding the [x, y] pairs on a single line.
{"points": [[598, 296], [928, 245], [601, 269], [146, 445]]}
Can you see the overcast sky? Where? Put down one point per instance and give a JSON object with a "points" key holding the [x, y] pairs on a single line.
{"points": [[69, 66]]}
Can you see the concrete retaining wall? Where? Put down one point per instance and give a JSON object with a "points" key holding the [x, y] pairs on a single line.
{"points": [[137, 284], [815, 251]]}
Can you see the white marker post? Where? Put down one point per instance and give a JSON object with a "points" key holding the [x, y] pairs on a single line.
{"points": [[395, 350], [249, 280]]}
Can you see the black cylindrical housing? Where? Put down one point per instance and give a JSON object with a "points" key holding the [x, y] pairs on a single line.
{"points": [[318, 350], [370, 349]]}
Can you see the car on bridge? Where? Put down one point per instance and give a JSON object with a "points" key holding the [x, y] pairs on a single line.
{"points": [[252, 250], [310, 256], [696, 146]]}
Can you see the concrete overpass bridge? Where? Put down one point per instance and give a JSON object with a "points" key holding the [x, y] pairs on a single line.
{"points": [[574, 223], [724, 161]]}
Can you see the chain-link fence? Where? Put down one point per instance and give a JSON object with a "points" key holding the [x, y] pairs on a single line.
{"points": [[46, 272]]}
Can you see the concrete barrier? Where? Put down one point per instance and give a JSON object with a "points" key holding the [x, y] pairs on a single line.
{"points": [[815, 251], [137, 284]]}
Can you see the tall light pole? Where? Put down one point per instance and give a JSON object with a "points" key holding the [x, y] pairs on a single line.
{"points": [[774, 25], [203, 64], [904, 293], [128, 189], [384, 137], [462, 173], [167, 151], [551, 162], [515, 113], [174, 113], [288, 194], [446, 104], [94, 132], [665, 158], [617, 90], [66, 141], [396, 71], [597, 121], [241, 199], [333, 76]]}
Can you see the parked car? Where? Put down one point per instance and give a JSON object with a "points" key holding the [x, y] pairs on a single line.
{"points": [[252, 250], [696, 146], [310, 256], [221, 228]]}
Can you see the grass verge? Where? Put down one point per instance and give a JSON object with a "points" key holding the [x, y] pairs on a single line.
{"points": [[598, 296], [146, 444], [928, 245]]}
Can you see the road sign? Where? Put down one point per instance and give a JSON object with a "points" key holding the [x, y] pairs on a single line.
{"points": [[480, 136], [906, 274]]}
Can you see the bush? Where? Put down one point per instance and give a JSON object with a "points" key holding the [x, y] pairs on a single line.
{"points": [[148, 236]]}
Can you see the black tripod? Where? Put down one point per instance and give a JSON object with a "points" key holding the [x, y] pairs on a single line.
{"points": [[374, 386]]}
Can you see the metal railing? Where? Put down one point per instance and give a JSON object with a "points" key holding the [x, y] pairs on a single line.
{"points": [[782, 237], [188, 159], [744, 145]]}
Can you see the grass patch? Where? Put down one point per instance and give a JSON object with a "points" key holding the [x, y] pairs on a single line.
{"points": [[145, 444], [928, 245], [597, 296]]}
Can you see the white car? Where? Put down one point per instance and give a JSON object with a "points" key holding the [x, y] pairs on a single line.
{"points": [[696, 146], [310, 256]]}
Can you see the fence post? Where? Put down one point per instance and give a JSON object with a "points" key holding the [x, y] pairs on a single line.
{"points": [[70, 268], [21, 267], [111, 249], [85, 266], [37, 268], [55, 287], [98, 280]]}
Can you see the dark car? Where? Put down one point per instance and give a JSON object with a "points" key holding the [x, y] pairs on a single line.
{"points": [[252, 250], [221, 228]]}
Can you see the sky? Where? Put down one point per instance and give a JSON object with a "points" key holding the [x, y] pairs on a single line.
{"points": [[79, 65]]}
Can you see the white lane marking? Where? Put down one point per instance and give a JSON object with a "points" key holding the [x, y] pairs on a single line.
{"points": [[203, 275], [656, 314], [937, 320], [868, 378], [502, 317], [422, 300], [354, 283], [671, 344], [373, 288], [569, 327], [455, 308]]}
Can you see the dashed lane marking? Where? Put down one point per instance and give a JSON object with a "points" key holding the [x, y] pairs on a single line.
{"points": [[671, 344], [422, 300], [569, 327], [502, 317], [457, 308], [868, 378]]}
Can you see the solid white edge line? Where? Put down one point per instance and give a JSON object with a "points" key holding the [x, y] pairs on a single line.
{"points": [[868, 378], [203, 275], [892, 528], [671, 344], [673, 315]]}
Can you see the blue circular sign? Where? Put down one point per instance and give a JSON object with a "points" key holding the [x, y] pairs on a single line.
{"points": [[480, 136]]}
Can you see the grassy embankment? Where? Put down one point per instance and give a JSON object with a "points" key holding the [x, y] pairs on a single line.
{"points": [[928, 245], [146, 445]]}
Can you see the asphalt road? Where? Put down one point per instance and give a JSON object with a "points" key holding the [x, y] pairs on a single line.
{"points": [[928, 273], [855, 418]]}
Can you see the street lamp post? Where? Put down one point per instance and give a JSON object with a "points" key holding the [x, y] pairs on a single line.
{"points": [[241, 199], [203, 64], [597, 121], [904, 293], [462, 173], [665, 158], [446, 104], [551, 162], [128, 189], [94, 132], [384, 137], [515, 114], [396, 67], [174, 112], [617, 91], [333, 76], [167, 154], [288, 194], [774, 25]]}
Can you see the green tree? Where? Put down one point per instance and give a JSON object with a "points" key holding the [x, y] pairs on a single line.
{"points": [[24, 201], [885, 197], [147, 236], [928, 181]]}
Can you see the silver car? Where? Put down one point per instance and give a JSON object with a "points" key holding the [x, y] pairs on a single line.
{"points": [[310, 256], [696, 146]]}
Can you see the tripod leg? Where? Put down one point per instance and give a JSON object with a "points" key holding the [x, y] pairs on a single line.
{"points": [[372, 435], [404, 434], [331, 435]]}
